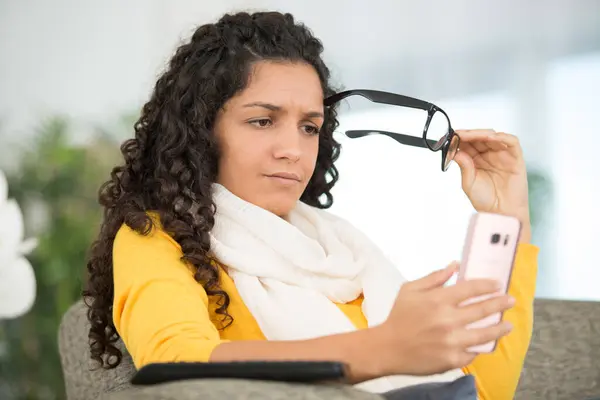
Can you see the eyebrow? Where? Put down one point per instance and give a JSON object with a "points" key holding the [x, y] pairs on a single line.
{"points": [[273, 107]]}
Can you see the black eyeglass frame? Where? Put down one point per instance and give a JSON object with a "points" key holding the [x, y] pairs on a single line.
{"points": [[376, 96]]}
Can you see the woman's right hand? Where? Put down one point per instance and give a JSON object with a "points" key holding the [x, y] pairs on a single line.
{"points": [[426, 332]]}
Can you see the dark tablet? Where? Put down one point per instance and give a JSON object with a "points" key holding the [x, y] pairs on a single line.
{"points": [[283, 371]]}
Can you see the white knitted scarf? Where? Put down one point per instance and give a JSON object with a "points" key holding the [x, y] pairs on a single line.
{"points": [[290, 273]]}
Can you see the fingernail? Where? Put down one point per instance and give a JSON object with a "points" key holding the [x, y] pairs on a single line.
{"points": [[511, 300], [508, 326]]}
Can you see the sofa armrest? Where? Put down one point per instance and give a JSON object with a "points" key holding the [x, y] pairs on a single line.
{"points": [[234, 389], [563, 361]]}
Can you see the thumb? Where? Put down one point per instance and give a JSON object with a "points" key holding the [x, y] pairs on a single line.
{"points": [[435, 279], [467, 169]]}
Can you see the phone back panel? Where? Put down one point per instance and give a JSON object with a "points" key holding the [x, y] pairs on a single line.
{"points": [[489, 253]]}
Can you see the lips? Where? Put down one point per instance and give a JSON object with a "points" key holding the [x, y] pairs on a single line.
{"points": [[286, 175]]}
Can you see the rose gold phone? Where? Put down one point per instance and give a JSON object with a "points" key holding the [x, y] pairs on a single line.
{"points": [[489, 253]]}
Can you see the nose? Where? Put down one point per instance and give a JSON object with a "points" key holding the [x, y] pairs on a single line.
{"points": [[288, 145]]}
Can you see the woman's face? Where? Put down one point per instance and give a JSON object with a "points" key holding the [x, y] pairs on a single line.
{"points": [[269, 135]]}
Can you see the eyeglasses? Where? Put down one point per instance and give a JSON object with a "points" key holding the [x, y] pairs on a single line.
{"points": [[437, 133]]}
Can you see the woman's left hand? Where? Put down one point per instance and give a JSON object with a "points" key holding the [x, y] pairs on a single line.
{"points": [[494, 176]]}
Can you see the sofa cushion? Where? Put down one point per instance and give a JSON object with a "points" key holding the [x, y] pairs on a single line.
{"points": [[219, 389]]}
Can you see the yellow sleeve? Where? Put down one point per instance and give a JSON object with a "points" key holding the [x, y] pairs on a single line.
{"points": [[497, 374], [159, 309]]}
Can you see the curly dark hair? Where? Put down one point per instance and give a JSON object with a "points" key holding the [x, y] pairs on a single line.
{"points": [[171, 162]]}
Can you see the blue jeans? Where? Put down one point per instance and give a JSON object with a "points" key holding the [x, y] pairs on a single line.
{"points": [[461, 389]]}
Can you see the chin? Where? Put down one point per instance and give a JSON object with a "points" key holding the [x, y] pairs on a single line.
{"points": [[282, 206]]}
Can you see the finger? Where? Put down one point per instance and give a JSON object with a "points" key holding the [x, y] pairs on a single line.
{"points": [[480, 146], [464, 359], [510, 141], [482, 309], [477, 138], [435, 279], [473, 337], [467, 169], [484, 140], [467, 290], [495, 144], [469, 149], [473, 135]]}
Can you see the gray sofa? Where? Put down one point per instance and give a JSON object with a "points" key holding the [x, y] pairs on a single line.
{"points": [[563, 363]]}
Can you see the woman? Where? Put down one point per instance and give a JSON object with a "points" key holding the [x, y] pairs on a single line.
{"points": [[206, 250]]}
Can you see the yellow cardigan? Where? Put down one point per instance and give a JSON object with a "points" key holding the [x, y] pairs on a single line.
{"points": [[162, 314]]}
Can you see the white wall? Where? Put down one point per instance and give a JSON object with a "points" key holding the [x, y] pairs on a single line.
{"points": [[574, 120], [95, 60], [91, 60], [419, 215], [399, 195]]}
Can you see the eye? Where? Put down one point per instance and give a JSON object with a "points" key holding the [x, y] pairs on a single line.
{"points": [[311, 130], [261, 123]]}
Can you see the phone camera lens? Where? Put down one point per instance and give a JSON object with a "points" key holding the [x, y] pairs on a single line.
{"points": [[495, 238]]}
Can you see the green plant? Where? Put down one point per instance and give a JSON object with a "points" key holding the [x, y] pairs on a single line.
{"points": [[540, 197], [56, 184]]}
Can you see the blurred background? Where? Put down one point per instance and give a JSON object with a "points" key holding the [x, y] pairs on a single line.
{"points": [[74, 74]]}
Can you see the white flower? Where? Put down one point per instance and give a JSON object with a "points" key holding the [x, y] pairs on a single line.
{"points": [[17, 280]]}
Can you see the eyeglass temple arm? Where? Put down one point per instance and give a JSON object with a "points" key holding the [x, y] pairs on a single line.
{"points": [[398, 137], [378, 96]]}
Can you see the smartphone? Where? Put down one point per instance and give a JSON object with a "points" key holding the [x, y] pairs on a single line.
{"points": [[489, 253]]}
